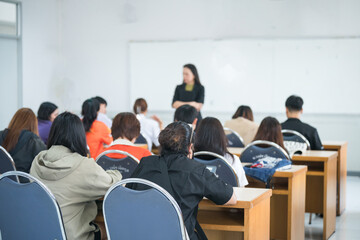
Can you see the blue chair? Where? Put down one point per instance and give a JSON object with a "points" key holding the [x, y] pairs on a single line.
{"points": [[28, 210], [292, 136], [260, 149], [234, 139], [125, 166], [219, 166], [7, 163], [141, 140], [137, 215]]}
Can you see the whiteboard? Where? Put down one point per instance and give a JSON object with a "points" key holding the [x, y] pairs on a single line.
{"points": [[261, 73]]}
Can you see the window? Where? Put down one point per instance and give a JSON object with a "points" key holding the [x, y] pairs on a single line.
{"points": [[9, 24]]}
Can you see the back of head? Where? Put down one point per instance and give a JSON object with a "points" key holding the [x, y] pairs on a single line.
{"points": [[24, 119], [294, 103], [270, 130], [67, 130], [210, 136], [245, 112], [101, 100], [89, 111], [140, 106], [176, 138], [45, 110], [185, 113], [125, 125]]}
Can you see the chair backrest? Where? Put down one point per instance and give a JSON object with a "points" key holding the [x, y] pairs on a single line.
{"points": [[141, 140], [137, 215], [294, 136], [7, 163], [260, 149], [234, 139], [219, 166], [125, 166], [295, 142], [28, 210]]}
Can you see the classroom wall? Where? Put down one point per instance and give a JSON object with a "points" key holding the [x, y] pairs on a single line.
{"points": [[78, 49]]}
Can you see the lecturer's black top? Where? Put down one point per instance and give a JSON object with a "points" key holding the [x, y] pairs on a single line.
{"points": [[197, 94], [309, 132]]}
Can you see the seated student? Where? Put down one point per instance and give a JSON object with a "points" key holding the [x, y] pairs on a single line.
{"points": [[97, 133], [102, 117], [187, 114], [185, 179], [149, 127], [243, 123], [46, 115], [125, 129], [270, 130], [75, 180], [210, 136], [293, 112], [21, 139]]}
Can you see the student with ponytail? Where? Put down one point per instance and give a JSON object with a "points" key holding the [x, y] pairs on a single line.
{"points": [[97, 133], [150, 127]]}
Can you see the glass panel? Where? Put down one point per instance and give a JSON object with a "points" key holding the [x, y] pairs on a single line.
{"points": [[8, 18]]}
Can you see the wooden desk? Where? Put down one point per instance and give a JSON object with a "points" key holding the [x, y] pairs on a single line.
{"points": [[248, 219], [287, 204], [341, 148], [320, 184]]}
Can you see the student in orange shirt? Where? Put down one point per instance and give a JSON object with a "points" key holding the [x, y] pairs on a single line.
{"points": [[97, 133], [125, 129]]}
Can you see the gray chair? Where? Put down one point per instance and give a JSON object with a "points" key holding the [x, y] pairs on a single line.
{"points": [[219, 166], [147, 214], [234, 139], [260, 149], [125, 166], [7, 163], [28, 210]]}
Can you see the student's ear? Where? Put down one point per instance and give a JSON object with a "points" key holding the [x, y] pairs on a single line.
{"points": [[191, 152], [301, 111], [194, 123]]}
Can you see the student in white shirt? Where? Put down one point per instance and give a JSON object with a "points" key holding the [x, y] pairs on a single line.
{"points": [[150, 127], [102, 117], [210, 136]]}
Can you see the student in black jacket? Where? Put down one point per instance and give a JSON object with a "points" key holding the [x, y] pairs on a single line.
{"points": [[21, 139], [293, 112], [185, 179]]}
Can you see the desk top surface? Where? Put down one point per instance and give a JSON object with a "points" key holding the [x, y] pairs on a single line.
{"points": [[315, 155], [246, 198], [334, 144]]}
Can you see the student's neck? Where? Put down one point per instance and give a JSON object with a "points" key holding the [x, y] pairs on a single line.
{"points": [[296, 115]]}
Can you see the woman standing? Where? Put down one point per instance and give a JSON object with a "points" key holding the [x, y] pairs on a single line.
{"points": [[191, 91]]}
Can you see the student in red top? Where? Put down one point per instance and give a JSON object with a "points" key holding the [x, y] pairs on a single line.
{"points": [[97, 133], [125, 129]]}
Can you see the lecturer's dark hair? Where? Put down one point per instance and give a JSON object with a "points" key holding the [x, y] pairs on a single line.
{"points": [[194, 72], [245, 112], [45, 110], [67, 130], [176, 138], [89, 111]]}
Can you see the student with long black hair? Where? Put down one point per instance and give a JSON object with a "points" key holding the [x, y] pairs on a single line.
{"points": [[75, 180], [210, 136], [191, 91], [185, 179], [46, 115], [97, 133]]}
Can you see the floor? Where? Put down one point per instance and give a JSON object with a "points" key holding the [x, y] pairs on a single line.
{"points": [[348, 224]]}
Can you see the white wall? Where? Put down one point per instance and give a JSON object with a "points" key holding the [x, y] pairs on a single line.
{"points": [[78, 49]]}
